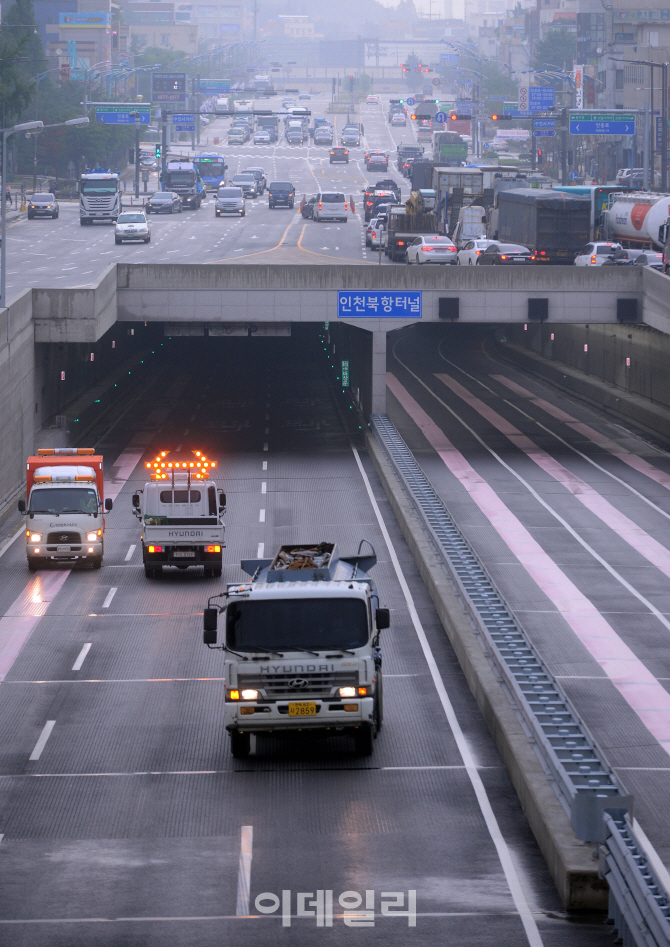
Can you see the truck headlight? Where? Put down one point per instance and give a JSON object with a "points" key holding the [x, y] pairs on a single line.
{"points": [[347, 691], [35, 537], [250, 695], [91, 537]]}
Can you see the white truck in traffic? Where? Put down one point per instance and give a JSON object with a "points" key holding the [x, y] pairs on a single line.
{"points": [[301, 646], [181, 511], [65, 507], [99, 198]]}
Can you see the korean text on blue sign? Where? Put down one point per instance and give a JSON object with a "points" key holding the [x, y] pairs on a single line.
{"points": [[378, 304], [540, 98]]}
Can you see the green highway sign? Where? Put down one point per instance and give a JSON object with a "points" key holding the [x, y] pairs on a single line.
{"points": [[345, 372]]}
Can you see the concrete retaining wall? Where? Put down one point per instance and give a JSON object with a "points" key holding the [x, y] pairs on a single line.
{"points": [[570, 862], [78, 314], [17, 411]]}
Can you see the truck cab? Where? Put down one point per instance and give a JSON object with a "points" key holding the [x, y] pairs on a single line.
{"points": [[181, 511], [301, 647], [99, 197], [65, 507], [184, 179]]}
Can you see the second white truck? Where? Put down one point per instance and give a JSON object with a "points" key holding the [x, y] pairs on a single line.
{"points": [[181, 511]]}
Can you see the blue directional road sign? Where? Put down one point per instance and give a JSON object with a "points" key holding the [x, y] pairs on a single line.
{"points": [[183, 123], [573, 175], [545, 133], [121, 114], [441, 118], [399, 304], [602, 123], [411, 100], [544, 123]]}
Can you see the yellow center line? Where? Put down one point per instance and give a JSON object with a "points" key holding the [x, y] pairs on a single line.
{"points": [[257, 252]]}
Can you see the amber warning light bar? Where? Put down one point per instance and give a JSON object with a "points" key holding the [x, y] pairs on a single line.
{"points": [[198, 469]]}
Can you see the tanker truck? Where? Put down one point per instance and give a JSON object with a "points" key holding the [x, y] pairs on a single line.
{"points": [[639, 219]]}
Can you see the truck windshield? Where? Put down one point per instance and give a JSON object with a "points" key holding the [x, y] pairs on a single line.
{"points": [[98, 187], [63, 500], [312, 623], [180, 177]]}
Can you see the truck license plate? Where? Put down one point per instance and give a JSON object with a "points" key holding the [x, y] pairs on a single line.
{"points": [[183, 555], [63, 549], [302, 709]]}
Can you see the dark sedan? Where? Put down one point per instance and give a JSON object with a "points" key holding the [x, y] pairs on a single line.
{"points": [[377, 162], [650, 258], [164, 202], [295, 137], [339, 154], [43, 205], [505, 254]]}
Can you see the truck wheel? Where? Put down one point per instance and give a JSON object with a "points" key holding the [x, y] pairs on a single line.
{"points": [[364, 741], [209, 572], [240, 744], [97, 562], [35, 564], [217, 572]]}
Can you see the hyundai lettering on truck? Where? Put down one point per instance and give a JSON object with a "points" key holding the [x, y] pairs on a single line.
{"points": [[65, 507], [181, 512], [99, 198], [301, 647]]}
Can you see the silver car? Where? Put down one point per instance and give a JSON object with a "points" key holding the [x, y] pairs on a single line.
{"points": [[132, 225], [229, 200]]}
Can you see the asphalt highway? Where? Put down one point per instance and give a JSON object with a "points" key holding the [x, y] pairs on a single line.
{"points": [[46, 252], [124, 820]]}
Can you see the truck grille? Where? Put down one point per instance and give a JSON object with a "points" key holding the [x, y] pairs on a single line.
{"points": [[318, 684], [63, 537]]}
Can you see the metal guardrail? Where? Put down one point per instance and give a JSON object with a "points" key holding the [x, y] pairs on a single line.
{"points": [[582, 779], [639, 907]]}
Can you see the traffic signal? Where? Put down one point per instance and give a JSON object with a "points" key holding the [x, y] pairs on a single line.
{"points": [[540, 156], [158, 151], [502, 118], [131, 156], [459, 116]]}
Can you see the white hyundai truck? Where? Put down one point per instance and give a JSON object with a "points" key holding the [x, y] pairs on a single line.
{"points": [[181, 511], [301, 646]]}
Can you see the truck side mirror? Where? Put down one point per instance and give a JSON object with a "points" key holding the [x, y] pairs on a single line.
{"points": [[383, 618], [136, 501], [109, 503], [222, 500], [210, 618], [22, 506]]}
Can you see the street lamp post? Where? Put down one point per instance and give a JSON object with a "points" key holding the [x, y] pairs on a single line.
{"points": [[33, 128], [663, 66], [6, 132], [136, 116]]}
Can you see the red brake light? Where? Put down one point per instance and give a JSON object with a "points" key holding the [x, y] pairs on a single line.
{"points": [[213, 549], [401, 243], [503, 257], [543, 252], [593, 260], [155, 549]]}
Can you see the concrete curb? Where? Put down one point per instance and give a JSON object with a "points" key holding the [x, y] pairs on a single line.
{"points": [[652, 418], [571, 863]]}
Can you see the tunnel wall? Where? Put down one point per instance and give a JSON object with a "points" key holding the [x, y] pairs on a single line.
{"points": [[601, 351]]}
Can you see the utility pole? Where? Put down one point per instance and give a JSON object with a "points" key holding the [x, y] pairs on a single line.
{"points": [[136, 116], [664, 123], [564, 146]]}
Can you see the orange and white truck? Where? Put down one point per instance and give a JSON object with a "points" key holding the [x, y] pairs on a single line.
{"points": [[65, 507]]}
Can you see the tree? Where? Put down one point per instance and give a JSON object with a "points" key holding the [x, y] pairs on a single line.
{"points": [[558, 48], [21, 57]]}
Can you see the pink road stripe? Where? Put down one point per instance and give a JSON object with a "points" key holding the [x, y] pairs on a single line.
{"points": [[633, 460], [21, 619], [624, 527], [645, 695]]}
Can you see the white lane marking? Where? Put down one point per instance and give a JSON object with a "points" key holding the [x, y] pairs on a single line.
{"points": [[264, 487], [121, 471], [260, 552], [81, 657], [108, 598], [518, 896], [265, 467], [42, 741], [129, 554], [265, 446], [12, 539], [177, 448], [261, 516], [244, 871]]}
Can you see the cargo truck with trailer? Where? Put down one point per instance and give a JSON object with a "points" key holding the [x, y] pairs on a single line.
{"points": [[402, 228], [181, 511], [552, 224], [65, 507], [301, 646]]}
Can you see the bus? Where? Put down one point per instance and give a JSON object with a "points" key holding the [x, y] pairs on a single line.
{"points": [[599, 196], [212, 170]]}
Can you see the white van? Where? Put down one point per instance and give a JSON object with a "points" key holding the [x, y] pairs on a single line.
{"points": [[330, 205]]}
